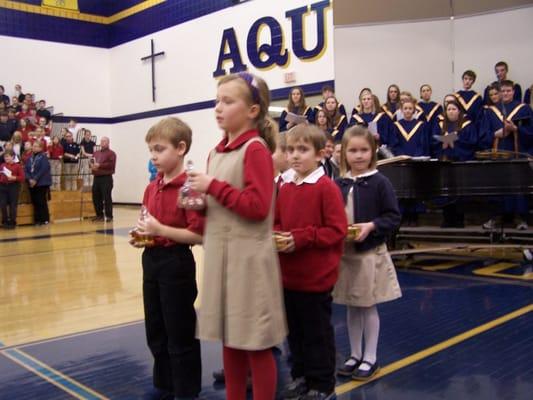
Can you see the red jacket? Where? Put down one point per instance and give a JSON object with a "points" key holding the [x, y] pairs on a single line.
{"points": [[314, 214], [55, 151], [16, 170]]}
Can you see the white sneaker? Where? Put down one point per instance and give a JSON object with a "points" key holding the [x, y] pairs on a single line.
{"points": [[490, 224], [522, 226]]}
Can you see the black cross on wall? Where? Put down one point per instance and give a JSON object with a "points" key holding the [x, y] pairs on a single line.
{"points": [[152, 57]]}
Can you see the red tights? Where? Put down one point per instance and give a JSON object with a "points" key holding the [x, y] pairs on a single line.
{"points": [[264, 373]]}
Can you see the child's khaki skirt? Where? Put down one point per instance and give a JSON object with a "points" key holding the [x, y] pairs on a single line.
{"points": [[367, 278]]}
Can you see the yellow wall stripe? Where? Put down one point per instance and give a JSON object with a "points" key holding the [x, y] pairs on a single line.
{"points": [[344, 388], [61, 13]]}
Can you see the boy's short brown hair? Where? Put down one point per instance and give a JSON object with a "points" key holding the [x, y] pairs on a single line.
{"points": [[9, 153], [172, 129], [309, 134]]}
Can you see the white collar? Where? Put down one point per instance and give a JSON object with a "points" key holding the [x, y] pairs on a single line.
{"points": [[313, 177], [369, 173], [287, 176]]}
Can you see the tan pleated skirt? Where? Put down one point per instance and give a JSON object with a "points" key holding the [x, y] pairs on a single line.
{"points": [[367, 278]]}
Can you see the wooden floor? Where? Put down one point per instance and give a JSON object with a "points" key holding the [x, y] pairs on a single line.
{"points": [[69, 277], [71, 321]]}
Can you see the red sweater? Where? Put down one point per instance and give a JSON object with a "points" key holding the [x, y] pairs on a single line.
{"points": [[254, 200], [55, 151], [314, 214], [16, 169]]}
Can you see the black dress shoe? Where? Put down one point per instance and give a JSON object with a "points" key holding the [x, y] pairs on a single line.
{"points": [[219, 376], [348, 369], [96, 219], [360, 375]]}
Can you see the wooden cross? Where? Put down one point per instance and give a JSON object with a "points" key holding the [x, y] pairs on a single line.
{"points": [[152, 56]]}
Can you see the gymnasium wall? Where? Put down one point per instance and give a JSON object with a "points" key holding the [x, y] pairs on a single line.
{"points": [[184, 78], [435, 51]]}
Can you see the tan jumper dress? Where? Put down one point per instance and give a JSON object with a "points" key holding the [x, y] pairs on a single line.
{"points": [[366, 278], [241, 293]]}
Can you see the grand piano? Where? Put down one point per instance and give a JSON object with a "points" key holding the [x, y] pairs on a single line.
{"points": [[427, 179]]}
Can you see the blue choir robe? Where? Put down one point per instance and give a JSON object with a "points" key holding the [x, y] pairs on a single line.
{"points": [[412, 138], [384, 125], [308, 112], [527, 97], [463, 148], [431, 111], [320, 106], [337, 131], [472, 104], [520, 114], [390, 110], [517, 94]]}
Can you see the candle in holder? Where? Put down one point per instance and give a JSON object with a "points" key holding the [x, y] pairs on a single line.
{"points": [[187, 197], [353, 233], [142, 239], [280, 240]]}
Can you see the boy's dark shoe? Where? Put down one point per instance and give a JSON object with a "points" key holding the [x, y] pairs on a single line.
{"points": [[314, 394], [295, 389]]}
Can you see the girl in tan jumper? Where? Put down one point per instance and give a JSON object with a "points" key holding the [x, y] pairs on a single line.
{"points": [[241, 297]]}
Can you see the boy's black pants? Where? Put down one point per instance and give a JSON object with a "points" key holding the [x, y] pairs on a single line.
{"points": [[169, 291], [311, 338], [9, 197]]}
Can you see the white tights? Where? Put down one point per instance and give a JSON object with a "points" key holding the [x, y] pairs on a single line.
{"points": [[363, 322]]}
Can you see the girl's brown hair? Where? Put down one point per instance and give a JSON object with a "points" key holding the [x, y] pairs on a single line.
{"points": [[300, 107], [460, 121], [389, 102], [334, 116], [362, 132], [257, 92]]}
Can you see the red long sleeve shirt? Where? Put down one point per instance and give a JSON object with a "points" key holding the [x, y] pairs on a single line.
{"points": [[107, 160], [314, 214], [55, 151], [16, 170], [161, 200], [254, 200]]}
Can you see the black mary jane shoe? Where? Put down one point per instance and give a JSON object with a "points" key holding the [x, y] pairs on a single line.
{"points": [[347, 370], [360, 375]]}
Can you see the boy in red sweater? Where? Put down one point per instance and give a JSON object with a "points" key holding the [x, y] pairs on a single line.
{"points": [[11, 175], [310, 229]]}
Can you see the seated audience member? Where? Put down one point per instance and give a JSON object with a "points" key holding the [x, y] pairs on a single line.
{"points": [[12, 120], [501, 69], [527, 96], [296, 105], [15, 104], [152, 170], [469, 99], [42, 111], [24, 112], [5, 127], [37, 171], [18, 92], [71, 155], [18, 144], [25, 127], [11, 176], [27, 153], [3, 97]]}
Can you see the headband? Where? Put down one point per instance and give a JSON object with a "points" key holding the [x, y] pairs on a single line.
{"points": [[252, 84]]}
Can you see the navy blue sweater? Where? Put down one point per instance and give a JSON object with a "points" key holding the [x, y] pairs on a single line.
{"points": [[37, 167], [374, 201]]}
